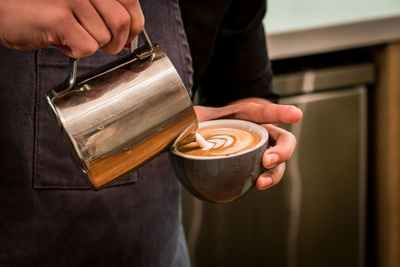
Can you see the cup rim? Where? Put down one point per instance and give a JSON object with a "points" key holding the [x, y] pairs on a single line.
{"points": [[261, 131]]}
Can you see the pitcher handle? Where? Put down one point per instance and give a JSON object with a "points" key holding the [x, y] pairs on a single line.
{"points": [[73, 67], [140, 53]]}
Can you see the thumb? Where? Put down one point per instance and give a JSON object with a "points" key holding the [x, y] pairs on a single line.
{"points": [[275, 113], [256, 112], [267, 113]]}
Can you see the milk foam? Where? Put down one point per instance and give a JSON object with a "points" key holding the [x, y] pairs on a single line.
{"points": [[220, 141], [203, 142]]}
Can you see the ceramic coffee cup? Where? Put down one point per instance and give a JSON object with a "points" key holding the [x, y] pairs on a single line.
{"points": [[221, 178]]}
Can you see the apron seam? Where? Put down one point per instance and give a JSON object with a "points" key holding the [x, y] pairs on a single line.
{"points": [[185, 58], [35, 116]]}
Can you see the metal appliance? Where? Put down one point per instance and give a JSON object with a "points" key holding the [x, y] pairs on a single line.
{"points": [[316, 216]]}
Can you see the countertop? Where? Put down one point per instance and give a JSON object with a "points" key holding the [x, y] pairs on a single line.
{"points": [[312, 26]]}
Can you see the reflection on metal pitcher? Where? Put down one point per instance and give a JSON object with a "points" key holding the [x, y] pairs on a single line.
{"points": [[120, 117]]}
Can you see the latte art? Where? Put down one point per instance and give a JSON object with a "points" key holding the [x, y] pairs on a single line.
{"points": [[221, 141]]}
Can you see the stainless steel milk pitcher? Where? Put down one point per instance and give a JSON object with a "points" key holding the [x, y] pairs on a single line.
{"points": [[124, 114]]}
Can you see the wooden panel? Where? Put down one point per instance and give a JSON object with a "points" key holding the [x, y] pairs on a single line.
{"points": [[386, 179]]}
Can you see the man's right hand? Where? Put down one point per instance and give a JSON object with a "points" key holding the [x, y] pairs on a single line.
{"points": [[76, 27]]}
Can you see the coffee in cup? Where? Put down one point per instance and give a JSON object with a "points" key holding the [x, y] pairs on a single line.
{"points": [[229, 168], [223, 141]]}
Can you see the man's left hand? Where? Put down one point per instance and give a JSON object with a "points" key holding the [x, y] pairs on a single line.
{"points": [[282, 142]]}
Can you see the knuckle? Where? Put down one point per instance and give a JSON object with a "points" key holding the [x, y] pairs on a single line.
{"points": [[50, 38], [104, 39], [111, 48], [120, 22], [88, 50], [138, 26]]}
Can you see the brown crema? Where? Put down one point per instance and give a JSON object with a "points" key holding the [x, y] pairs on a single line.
{"points": [[225, 140]]}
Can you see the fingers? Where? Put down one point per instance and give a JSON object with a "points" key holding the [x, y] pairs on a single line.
{"points": [[71, 38], [93, 23], [99, 24], [124, 20], [283, 146], [118, 22], [271, 177], [136, 15]]}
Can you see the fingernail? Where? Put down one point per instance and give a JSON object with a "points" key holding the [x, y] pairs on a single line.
{"points": [[272, 159]]}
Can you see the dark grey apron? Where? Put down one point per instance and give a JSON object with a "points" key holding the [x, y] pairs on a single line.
{"points": [[48, 214]]}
